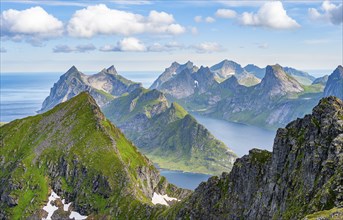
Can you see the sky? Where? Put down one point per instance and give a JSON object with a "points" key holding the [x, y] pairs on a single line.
{"points": [[143, 35]]}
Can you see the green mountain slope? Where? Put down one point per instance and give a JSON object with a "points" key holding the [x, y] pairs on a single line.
{"points": [[168, 135], [74, 150]]}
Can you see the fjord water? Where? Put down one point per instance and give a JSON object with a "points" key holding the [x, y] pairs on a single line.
{"points": [[238, 137], [22, 94]]}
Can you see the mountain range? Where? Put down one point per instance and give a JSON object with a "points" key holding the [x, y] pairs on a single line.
{"points": [[164, 131], [281, 95], [75, 151]]}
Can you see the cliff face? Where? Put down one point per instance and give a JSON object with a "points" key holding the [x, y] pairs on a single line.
{"points": [[303, 174], [75, 151], [334, 85]]}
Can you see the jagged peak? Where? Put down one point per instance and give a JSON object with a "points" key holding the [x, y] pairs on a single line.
{"points": [[204, 68], [275, 71], [338, 71], [72, 69], [112, 70]]}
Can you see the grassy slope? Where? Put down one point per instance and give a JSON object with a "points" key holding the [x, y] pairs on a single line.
{"points": [[178, 142], [70, 131]]}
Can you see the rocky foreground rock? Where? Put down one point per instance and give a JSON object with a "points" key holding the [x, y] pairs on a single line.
{"points": [[303, 174]]}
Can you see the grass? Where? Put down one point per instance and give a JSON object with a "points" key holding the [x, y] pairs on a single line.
{"points": [[75, 132], [331, 214]]}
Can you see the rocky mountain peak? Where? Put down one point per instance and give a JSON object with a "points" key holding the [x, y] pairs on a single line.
{"points": [[334, 85], [112, 70], [277, 82], [73, 71]]}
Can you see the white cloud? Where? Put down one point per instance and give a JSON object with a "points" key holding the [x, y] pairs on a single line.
{"points": [[170, 46], [209, 20], [129, 44], [33, 24], [270, 15], [3, 50], [99, 19], [226, 13], [79, 48], [208, 47], [194, 30], [328, 12], [198, 19]]}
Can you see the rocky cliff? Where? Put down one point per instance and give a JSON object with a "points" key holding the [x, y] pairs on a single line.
{"points": [[76, 152], [334, 85], [103, 86], [303, 174], [167, 134]]}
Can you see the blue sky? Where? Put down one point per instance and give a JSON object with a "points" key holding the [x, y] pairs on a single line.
{"points": [[142, 35]]}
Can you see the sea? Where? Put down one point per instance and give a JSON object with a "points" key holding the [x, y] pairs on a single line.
{"points": [[22, 94]]}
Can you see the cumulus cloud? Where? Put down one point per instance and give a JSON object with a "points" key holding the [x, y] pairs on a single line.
{"points": [[79, 48], [208, 47], [198, 19], [33, 24], [99, 19], [170, 46], [208, 19], [194, 30], [328, 12], [225, 13], [270, 15], [129, 44]]}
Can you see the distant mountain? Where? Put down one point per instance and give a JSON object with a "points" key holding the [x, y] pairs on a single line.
{"points": [[321, 80], [180, 81], [274, 102], [277, 83], [103, 86], [301, 76], [228, 68], [171, 72], [76, 152], [303, 175], [168, 134], [257, 71], [334, 85]]}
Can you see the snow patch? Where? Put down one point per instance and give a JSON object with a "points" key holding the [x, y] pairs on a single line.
{"points": [[52, 208], [162, 199], [49, 208], [65, 206], [76, 216], [196, 83]]}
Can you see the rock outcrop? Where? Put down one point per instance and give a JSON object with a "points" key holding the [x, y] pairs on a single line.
{"points": [[303, 174]]}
